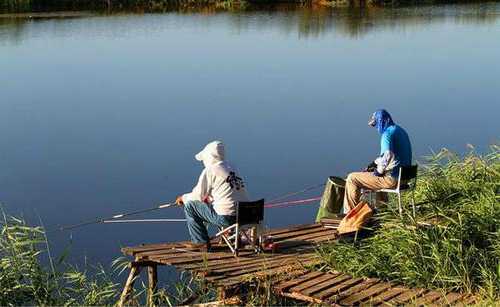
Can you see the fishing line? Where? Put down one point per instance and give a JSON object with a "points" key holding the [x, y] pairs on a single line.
{"points": [[114, 217], [298, 192], [292, 202]]}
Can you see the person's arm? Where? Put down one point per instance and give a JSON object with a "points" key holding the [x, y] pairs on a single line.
{"points": [[200, 190], [384, 163]]}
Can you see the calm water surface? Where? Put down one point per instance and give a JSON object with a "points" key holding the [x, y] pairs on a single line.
{"points": [[103, 114]]}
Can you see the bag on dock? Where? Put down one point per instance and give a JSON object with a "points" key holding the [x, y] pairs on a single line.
{"points": [[356, 218], [333, 198]]}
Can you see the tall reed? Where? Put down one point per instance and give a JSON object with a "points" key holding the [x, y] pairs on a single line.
{"points": [[459, 197]]}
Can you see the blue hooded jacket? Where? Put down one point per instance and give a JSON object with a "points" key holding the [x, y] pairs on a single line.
{"points": [[394, 141]]}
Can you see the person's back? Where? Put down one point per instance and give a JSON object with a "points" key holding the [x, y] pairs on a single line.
{"points": [[227, 187], [396, 140]]}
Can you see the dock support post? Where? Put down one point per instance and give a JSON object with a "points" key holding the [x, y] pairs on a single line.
{"points": [[129, 285], [152, 283]]}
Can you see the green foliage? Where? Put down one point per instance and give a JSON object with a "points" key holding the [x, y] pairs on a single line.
{"points": [[453, 242], [25, 280]]}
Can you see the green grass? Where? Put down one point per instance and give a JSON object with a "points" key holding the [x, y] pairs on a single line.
{"points": [[460, 252], [29, 275]]}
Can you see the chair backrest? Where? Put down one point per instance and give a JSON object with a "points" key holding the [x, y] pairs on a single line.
{"points": [[251, 212], [408, 172]]}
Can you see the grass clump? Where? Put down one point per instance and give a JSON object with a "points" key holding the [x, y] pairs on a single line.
{"points": [[30, 276], [459, 250]]}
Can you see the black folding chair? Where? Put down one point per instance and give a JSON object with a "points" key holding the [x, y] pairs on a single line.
{"points": [[248, 215]]}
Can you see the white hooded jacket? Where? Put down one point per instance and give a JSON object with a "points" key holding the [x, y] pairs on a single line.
{"points": [[219, 181]]}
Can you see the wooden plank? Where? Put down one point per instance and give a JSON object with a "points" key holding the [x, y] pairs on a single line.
{"points": [[386, 295], [357, 298], [278, 231], [146, 247], [428, 298], [350, 291], [410, 294], [292, 234], [301, 297], [284, 286], [184, 254], [239, 263], [335, 279], [238, 280], [466, 300], [235, 280], [448, 299], [338, 285], [311, 283], [306, 237], [214, 263], [198, 258], [258, 266], [253, 269]]}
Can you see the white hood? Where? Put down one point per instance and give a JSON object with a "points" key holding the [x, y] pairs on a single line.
{"points": [[211, 154]]}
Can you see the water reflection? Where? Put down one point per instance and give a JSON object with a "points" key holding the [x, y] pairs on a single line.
{"points": [[309, 20]]}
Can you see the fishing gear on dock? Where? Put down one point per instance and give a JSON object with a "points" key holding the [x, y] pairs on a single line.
{"points": [[114, 217]]}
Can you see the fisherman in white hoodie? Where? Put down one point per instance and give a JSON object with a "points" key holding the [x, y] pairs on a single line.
{"points": [[213, 199]]}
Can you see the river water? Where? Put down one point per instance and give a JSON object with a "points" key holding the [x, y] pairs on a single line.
{"points": [[103, 114]]}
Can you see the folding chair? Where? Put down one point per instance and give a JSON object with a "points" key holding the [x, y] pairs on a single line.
{"points": [[407, 181], [248, 215]]}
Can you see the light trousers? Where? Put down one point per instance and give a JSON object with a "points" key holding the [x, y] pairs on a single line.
{"points": [[365, 180]]}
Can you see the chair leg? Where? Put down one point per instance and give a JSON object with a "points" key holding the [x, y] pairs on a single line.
{"points": [[413, 202], [237, 239], [400, 207]]}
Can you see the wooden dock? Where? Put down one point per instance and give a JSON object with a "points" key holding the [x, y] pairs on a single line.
{"points": [[288, 268]]}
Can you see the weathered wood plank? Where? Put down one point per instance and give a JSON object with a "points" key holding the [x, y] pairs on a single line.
{"points": [[386, 295], [350, 291], [229, 282], [338, 285], [428, 298], [284, 286], [448, 299], [357, 298], [323, 285], [311, 283], [406, 296], [285, 263], [257, 266]]}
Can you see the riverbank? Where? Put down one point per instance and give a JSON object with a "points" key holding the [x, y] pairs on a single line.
{"points": [[43, 6], [458, 247]]}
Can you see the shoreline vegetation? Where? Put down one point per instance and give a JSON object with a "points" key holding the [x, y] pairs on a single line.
{"points": [[457, 249], [26, 6], [453, 242]]}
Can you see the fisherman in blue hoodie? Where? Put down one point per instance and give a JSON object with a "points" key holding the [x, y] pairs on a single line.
{"points": [[395, 151]]}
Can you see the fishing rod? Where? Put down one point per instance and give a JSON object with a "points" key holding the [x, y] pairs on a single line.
{"points": [[114, 217], [144, 220]]}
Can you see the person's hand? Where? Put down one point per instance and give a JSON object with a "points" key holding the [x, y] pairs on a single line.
{"points": [[179, 201], [371, 167], [207, 199]]}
